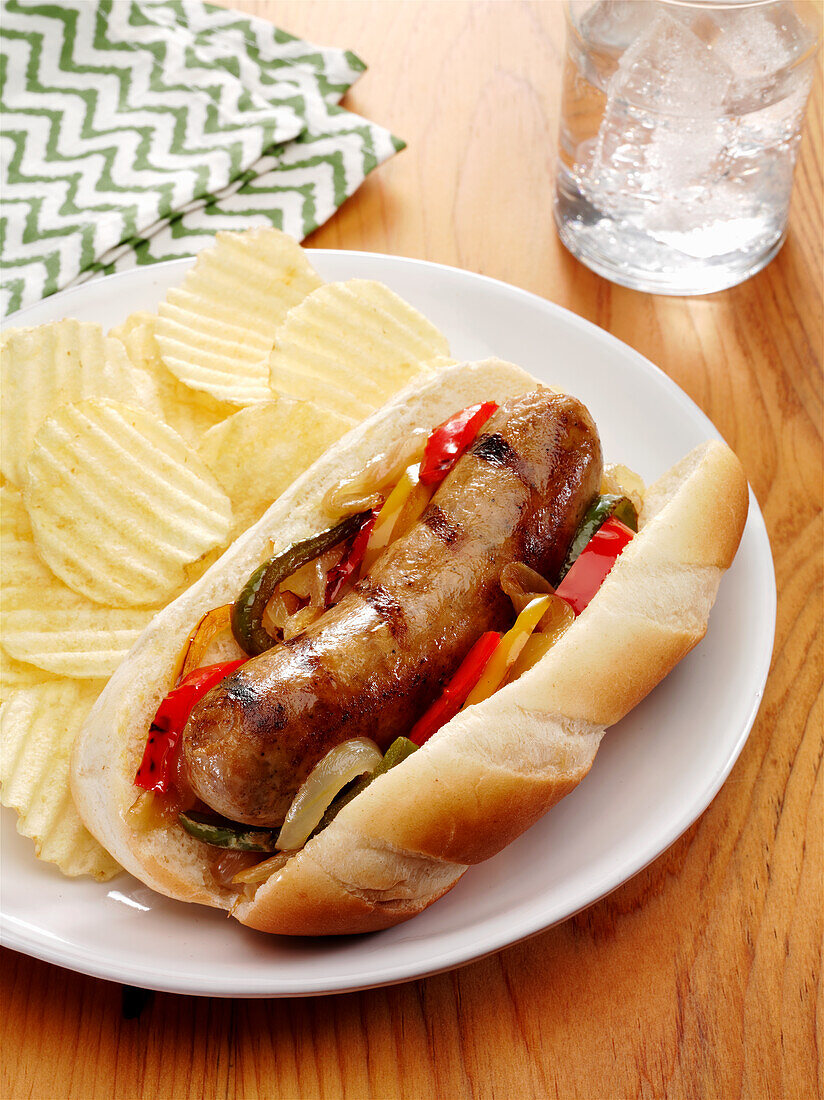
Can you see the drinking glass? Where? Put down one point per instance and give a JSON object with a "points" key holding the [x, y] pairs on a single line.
{"points": [[680, 126]]}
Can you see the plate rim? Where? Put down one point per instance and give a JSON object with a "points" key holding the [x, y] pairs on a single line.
{"points": [[67, 955]]}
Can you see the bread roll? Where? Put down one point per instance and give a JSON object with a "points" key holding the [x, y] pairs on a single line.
{"points": [[110, 745], [497, 767], [487, 775]]}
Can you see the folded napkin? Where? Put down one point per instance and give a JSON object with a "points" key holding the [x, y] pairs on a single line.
{"points": [[134, 130]]}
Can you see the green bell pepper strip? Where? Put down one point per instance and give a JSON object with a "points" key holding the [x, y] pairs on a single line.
{"points": [[222, 833], [247, 612], [601, 509]]}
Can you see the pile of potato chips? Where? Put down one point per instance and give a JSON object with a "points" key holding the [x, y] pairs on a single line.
{"points": [[130, 460]]}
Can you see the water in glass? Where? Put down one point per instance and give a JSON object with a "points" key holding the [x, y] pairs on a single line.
{"points": [[680, 128]]}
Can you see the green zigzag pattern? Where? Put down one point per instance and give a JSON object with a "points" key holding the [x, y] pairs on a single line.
{"points": [[139, 127]]}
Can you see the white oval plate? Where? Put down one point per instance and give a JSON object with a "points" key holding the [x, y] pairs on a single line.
{"points": [[655, 772]]}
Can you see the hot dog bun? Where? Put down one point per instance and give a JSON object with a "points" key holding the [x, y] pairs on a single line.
{"points": [[494, 769], [109, 748]]}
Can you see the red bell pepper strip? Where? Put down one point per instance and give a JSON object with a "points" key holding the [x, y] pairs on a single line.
{"points": [[590, 568], [448, 442], [160, 755], [339, 574], [453, 696]]}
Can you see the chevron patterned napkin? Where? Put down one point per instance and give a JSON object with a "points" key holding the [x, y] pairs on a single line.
{"points": [[134, 130]]}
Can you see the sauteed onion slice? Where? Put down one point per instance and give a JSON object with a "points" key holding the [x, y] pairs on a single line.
{"points": [[260, 872], [363, 490], [522, 584], [211, 624], [297, 623], [309, 582], [622, 481], [340, 766]]}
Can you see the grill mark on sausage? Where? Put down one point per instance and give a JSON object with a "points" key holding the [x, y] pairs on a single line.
{"points": [[439, 523], [495, 450], [265, 713], [240, 690], [382, 601]]}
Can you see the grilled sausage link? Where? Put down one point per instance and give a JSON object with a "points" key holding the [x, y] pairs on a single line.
{"points": [[372, 665]]}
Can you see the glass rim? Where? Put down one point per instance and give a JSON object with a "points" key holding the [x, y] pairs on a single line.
{"points": [[715, 5], [711, 5], [728, 5]]}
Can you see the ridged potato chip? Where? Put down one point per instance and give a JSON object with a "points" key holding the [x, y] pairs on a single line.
{"points": [[140, 317], [38, 726], [44, 623], [119, 504], [190, 412], [258, 452], [356, 338], [14, 520], [63, 633], [19, 674], [45, 367], [332, 398], [216, 331]]}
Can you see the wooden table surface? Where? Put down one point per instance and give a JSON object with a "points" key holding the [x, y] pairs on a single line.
{"points": [[699, 977]]}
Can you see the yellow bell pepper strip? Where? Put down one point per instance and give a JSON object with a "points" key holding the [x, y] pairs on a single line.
{"points": [[449, 440], [590, 568], [449, 702], [535, 648], [413, 509], [388, 516], [507, 652]]}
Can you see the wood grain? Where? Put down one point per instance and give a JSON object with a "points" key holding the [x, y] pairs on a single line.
{"points": [[701, 977]]}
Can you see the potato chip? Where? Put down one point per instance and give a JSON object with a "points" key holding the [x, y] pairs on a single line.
{"points": [[14, 520], [258, 452], [216, 331], [325, 394], [45, 367], [38, 726], [190, 412], [119, 503], [44, 623], [356, 338], [140, 317], [63, 633], [19, 674]]}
